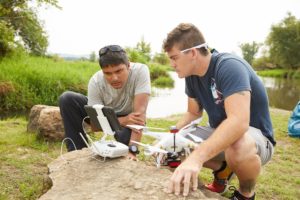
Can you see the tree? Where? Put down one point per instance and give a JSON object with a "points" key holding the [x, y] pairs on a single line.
{"points": [[20, 26], [249, 50], [144, 48], [135, 56], [284, 43], [6, 39], [92, 57], [141, 53], [161, 58]]}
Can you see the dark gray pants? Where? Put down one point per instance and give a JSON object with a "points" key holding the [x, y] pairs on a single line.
{"points": [[71, 106]]}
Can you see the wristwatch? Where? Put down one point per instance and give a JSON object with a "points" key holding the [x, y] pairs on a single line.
{"points": [[133, 149]]}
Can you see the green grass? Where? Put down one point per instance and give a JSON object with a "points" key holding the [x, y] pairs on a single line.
{"points": [[24, 159], [280, 73], [26, 81]]}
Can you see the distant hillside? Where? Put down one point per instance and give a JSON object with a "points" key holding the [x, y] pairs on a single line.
{"points": [[72, 56]]}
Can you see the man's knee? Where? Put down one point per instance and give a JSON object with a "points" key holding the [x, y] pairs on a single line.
{"points": [[72, 99], [243, 149], [65, 98]]}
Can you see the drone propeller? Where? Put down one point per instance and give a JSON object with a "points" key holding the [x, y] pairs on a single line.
{"points": [[150, 148], [194, 122], [139, 127]]}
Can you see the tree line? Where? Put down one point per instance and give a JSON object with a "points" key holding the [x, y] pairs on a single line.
{"points": [[20, 28], [281, 48]]}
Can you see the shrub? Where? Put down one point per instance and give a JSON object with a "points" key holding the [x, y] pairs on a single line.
{"points": [[163, 82]]}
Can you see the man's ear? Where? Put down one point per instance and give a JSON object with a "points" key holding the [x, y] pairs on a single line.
{"points": [[194, 52]]}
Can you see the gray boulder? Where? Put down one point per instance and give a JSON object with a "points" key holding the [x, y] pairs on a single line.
{"points": [[46, 121], [80, 175]]}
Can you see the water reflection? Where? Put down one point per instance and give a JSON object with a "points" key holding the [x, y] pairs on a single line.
{"points": [[165, 102], [282, 93]]}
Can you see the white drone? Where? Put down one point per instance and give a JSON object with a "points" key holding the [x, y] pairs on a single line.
{"points": [[170, 146]]}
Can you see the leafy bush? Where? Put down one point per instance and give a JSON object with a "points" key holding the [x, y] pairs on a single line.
{"points": [[161, 58], [157, 70], [160, 76], [263, 63], [163, 82]]}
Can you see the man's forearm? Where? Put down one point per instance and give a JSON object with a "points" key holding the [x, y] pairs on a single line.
{"points": [[186, 119], [135, 136], [123, 120], [140, 105]]}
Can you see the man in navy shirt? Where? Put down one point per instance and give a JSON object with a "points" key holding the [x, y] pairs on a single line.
{"points": [[239, 139]]}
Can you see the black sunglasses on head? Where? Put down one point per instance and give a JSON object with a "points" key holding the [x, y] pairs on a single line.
{"points": [[113, 48]]}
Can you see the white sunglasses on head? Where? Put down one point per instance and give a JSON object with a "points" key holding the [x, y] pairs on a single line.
{"points": [[195, 47]]}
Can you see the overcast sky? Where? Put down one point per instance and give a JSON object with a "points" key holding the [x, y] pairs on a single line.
{"points": [[83, 26]]}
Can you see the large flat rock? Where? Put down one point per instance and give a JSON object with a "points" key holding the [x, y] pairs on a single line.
{"points": [[79, 175]]}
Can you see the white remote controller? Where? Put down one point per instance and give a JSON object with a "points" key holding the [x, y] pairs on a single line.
{"points": [[106, 148]]}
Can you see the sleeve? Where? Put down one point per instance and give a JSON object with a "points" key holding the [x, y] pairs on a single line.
{"points": [[232, 77], [188, 87], [143, 83], [94, 93]]}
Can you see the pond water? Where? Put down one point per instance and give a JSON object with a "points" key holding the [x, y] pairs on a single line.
{"points": [[165, 101], [282, 93]]}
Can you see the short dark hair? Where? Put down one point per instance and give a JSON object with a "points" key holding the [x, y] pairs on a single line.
{"points": [[112, 55], [185, 35]]}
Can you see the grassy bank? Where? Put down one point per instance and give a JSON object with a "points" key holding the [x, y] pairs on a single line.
{"points": [[26, 81], [280, 73], [24, 159]]}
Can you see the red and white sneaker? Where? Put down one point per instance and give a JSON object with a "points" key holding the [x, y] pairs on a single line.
{"points": [[222, 178]]}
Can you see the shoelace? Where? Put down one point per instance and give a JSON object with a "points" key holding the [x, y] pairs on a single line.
{"points": [[232, 188]]}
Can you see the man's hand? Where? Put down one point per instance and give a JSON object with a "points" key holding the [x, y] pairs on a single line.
{"points": [[136, 118], [185, 173], [133, 118]]}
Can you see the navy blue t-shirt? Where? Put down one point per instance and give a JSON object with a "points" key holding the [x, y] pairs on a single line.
{"points": [[226, 75]]}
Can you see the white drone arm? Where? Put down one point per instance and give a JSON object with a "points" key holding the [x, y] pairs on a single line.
{"points": [[150, 149], [137, 127], [144, 128], [193, 123]]}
